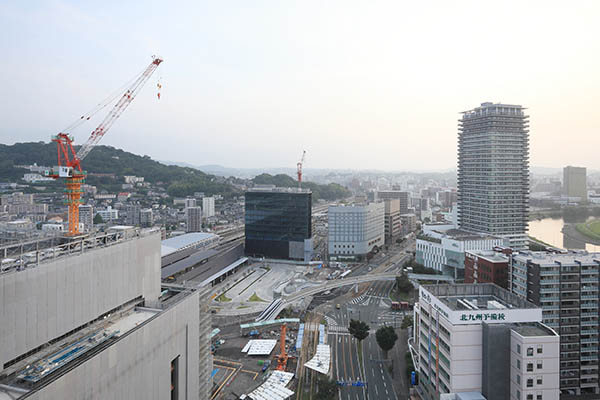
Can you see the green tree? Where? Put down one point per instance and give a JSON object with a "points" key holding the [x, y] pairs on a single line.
{"points": [[403, 283], [358, 329], [407, 322], [98, 219], [386, 338], [326, 389]]}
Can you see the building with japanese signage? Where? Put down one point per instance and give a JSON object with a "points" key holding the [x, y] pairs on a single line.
{"points": [[482, 338]]}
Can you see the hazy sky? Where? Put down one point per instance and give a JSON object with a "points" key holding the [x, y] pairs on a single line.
{"points": [[358, 84]]}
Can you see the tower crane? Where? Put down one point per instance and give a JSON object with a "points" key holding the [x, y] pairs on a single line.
{"points": [[69, 162], [299, 169]]}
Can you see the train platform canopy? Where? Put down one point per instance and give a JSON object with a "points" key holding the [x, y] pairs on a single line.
{"points": [[322, 359], [274, 388], [259, 347], [270, 322], [181, 242]]}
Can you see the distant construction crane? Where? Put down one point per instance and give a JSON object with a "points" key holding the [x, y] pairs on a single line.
{"points": [[299, 169], [69, 162]]}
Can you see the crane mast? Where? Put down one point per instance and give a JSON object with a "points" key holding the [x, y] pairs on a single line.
{"points": [[299, 169], [69, 162]]}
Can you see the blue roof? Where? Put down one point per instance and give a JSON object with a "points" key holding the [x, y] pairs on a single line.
{"points": [[176, 243]]}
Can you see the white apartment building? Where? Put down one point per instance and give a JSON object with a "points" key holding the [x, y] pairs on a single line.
{"points": [[355, 230], [482, 338], [86, 216], [442, 247], [109, 214], [208, 207]]}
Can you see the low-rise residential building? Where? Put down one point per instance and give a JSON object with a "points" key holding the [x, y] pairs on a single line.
{"points": [[355, 231], [486, 266], [566, 288], [442, 248], [109, 214], [482, 338]]}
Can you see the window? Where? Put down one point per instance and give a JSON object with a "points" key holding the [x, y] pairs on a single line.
{"points": [[175, 379], [518, 395], [518, 364], [540, 349], [518, 379], [539, 364], [518, 349], [530, 382], [539, 380], [530, 351], [538, 397], [529, 367], [529, 397]]}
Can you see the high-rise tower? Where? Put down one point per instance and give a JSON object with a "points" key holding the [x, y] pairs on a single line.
{"points": [[493, 172]]}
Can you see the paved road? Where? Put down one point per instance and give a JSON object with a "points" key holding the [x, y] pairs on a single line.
{"points": [[372, 307]]}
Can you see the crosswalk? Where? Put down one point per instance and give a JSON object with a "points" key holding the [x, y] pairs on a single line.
{"points": [[364, 300]]}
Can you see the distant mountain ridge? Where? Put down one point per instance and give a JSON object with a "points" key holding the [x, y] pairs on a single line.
{"points": [[179, 181]]}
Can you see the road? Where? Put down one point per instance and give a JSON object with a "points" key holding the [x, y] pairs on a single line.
{"points": [[373, 307]]}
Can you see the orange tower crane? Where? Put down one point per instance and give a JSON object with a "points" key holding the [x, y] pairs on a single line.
{"points": [[69, 162], [299, 169], [283, 356]]}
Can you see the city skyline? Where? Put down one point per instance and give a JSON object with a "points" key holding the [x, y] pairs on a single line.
{"points": [[356, 86]]}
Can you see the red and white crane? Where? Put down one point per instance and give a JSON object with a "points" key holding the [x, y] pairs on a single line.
{"points": [[299, 169], [69, 162]]}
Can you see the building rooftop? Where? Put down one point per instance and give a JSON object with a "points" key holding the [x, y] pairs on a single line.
{"points": [[551, 259], [480, 296], [274, 189], [51, 361], [489, 255], [533, 329], [177, 243]]}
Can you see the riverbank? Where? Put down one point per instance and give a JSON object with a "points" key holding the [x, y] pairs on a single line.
{"points": [[571, 231], [591, 229]]}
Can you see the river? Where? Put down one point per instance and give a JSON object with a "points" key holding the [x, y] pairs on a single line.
{"points": [[548, 230]]}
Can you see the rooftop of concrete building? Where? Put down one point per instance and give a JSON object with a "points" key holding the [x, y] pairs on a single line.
{"points": [[28, 254], [552, 259], [177, 243], [275, 189], [458, 234], [489, 255], [48, 362], [533, 329], [478, 296]]}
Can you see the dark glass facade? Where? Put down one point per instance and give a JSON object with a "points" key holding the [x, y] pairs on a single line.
{"points": [[276, 218]]}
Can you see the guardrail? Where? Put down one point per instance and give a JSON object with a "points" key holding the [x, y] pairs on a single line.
{"points": [[20, 256]]}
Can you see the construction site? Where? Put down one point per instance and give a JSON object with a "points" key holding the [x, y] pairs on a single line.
{"points": [[275, 359]]}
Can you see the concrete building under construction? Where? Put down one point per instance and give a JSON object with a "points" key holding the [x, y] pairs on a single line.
{"points": [[89, 318]]}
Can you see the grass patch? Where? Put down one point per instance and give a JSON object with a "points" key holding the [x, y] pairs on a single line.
{"points": [[255, 297], [590, 229], [243, 306], [223, 298]]}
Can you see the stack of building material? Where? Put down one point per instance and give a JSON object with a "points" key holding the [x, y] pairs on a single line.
{"points": [[274, 388], [322, 359]]}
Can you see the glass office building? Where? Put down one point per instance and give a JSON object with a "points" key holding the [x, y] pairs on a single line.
{"points": [[278, 223]]}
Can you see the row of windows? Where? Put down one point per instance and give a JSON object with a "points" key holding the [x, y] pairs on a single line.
{"points": [[540, 350], [530, 365]]}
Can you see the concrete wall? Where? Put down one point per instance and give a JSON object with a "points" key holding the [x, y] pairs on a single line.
{"points": [[138, 366], [43, 303]]}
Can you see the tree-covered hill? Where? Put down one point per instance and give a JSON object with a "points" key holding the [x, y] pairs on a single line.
{"points": [[178, 181], [329, 192]]}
